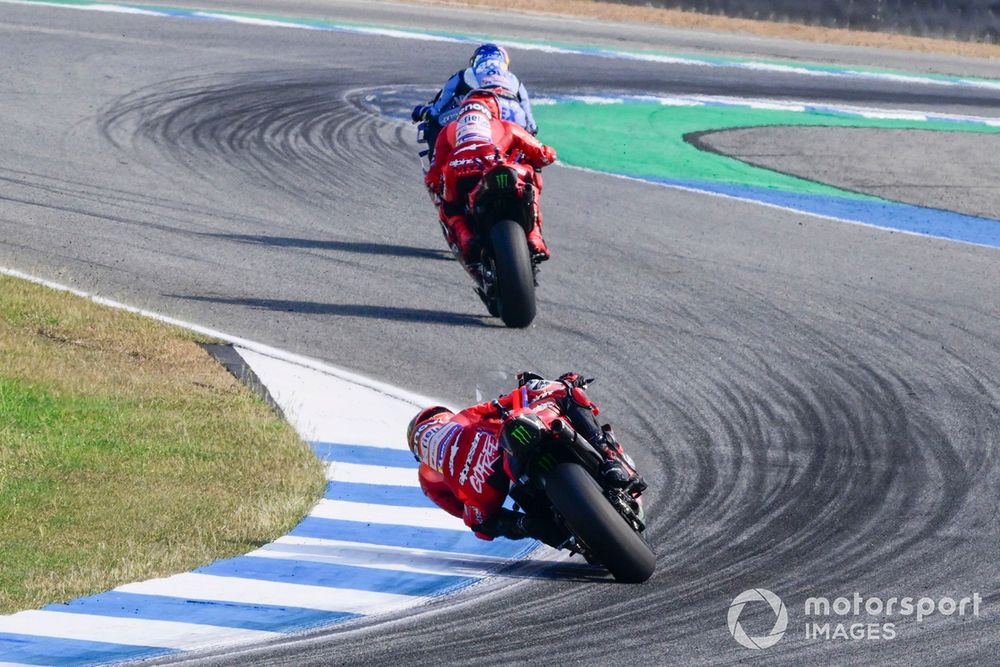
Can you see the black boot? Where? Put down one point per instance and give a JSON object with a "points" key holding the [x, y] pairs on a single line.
{"points": [[506, 523], [543, 530], [614, 474], [517, 526]]}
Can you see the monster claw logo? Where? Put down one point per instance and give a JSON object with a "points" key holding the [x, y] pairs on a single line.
{"points": [[521, 434], [546, 463], [501, 180]]}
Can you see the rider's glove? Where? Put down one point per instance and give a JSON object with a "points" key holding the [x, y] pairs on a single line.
{"points": [[548, 155], [433, 182], [573, 379], [419, 113]]}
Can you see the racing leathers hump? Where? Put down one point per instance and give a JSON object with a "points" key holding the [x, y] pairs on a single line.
{"points": [[514, 100]]}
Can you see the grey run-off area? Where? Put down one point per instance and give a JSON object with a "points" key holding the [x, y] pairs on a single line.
{"points": [[813, 403], [954, 171]]}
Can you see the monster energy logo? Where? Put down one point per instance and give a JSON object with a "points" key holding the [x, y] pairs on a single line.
{"points": [[546, 463], [501, 180], [521, 434]]}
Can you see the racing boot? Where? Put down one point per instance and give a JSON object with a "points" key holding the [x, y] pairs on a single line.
{"points": [[614, 454], [517, 526], [614, 474], [542, 530], [462, 240], [536, 244]]}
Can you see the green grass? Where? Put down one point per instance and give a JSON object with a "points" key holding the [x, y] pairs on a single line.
{"points": [[127, 453]]}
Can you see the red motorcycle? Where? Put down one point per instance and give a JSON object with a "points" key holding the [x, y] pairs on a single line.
{"points": [[502, 211], [501, 207], [556, 476]]}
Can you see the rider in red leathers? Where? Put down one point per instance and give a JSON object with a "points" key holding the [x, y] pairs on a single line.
{"points": [[464, 150], [463, 469]]}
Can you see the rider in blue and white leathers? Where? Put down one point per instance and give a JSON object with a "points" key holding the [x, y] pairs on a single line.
{"points": [[488, 68]]}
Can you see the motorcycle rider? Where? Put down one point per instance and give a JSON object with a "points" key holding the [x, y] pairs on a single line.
{"points": [[465, 149], [462, 467], [488, 68]]}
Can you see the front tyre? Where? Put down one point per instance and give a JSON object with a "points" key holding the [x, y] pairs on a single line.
{"points": [[515, 281], [589, 515]]}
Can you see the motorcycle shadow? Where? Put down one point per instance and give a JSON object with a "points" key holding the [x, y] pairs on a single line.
{"points": [[363, 247], [555, 570], [415, 559], [391, 313]]}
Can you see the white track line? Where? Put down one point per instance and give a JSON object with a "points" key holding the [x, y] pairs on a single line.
{"points": [[418, 517], [127, 631], [355, 472], [254, 591]]}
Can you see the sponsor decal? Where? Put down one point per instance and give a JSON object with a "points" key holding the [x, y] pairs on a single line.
{"points": [[502, 179], [495, 79], [451, 458], [473, 147], [546, 463], [480, 138], [538, 385], [423, 433], [439, 457], [442, 439], [521, 434], [474, 127], [470, 107], [488, 456], [464, 475]]}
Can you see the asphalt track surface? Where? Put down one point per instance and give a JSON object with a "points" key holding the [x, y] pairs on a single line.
{"points": [[815, 404]]}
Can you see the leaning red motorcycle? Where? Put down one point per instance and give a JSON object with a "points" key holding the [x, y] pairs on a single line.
{"points": [[556, 476]]}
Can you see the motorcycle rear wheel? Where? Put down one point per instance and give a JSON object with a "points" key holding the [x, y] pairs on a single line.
{"points": [[580, 501], [515, 281]]}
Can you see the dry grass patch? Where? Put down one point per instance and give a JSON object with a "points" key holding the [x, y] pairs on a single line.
{"points": [[126, 452], [675, 18]]}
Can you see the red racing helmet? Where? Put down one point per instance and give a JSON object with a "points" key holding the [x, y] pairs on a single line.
{"points": [[418, 424]]}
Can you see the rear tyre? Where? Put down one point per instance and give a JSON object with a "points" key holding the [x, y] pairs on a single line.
{"points": [[515, 281], [580, 501]]}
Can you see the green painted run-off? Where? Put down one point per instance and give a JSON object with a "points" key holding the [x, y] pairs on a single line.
{"points": [[648, 140]]}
